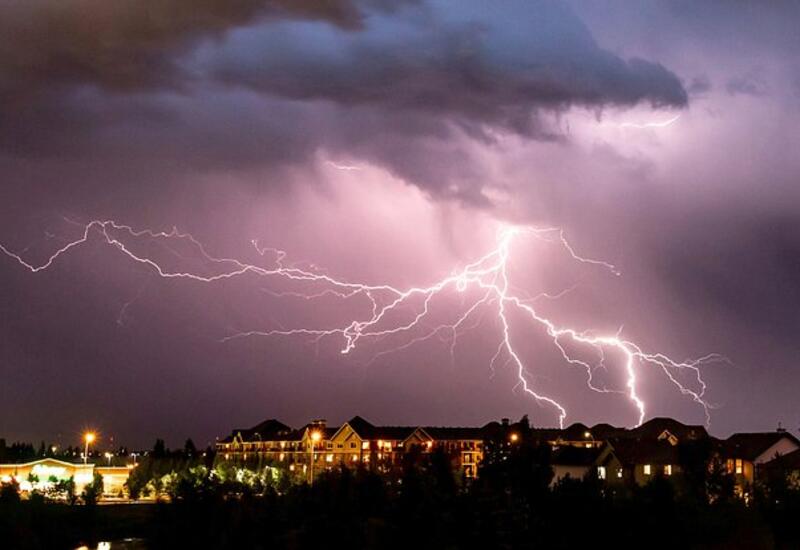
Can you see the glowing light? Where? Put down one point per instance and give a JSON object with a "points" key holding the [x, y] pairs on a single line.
{"points": [[89, 437], [514, 438], [488, 275], [316, 436]]}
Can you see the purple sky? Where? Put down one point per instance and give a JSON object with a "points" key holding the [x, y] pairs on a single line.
{"points": [[385, 142]]}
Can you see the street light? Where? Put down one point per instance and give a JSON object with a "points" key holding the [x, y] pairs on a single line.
{"points": [[514, 438], [109, 456], [88, 438], [315, 437]]}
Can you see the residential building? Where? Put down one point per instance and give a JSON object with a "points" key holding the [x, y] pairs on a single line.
{"points": [[744, 453]]}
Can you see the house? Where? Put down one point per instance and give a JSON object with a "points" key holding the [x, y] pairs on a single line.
{"points": [[579, 462], [669, 430], [744, 453], [638, 461], [785, 466]]}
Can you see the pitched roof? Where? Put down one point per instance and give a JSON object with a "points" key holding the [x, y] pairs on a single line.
{"points": [[268, 430], [644, 451], [750, 446], [367, 430], [575, 456], [656, 426], [327, 431]]}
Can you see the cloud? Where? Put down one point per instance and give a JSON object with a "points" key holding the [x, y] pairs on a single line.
{"points": [[402, 85], [750, 84]]}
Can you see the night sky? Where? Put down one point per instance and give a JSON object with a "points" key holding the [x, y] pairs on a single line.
{"points": [[385, 142]]}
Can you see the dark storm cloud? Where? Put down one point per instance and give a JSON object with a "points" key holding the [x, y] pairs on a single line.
{"points": [[468, 68], [127, 44], [392, 84]]}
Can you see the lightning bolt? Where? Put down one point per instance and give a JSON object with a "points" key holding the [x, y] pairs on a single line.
{"points": [[345, 167], [643, 126], [488, 276]]}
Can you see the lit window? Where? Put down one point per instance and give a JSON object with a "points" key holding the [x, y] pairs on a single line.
{"points": [[601, 472], [329, 458], [668, 470], [282, 456], [739, 467], [355, 457], [647, 469], [365, 445]]}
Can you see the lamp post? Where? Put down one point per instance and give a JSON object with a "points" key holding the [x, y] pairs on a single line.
{"points": [[315, 437], [88, 438]]}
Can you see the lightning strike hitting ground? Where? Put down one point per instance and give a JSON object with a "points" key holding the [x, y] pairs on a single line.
{"points": [[488, 275]]}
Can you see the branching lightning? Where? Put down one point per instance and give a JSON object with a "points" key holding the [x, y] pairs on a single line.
{"points": [[488, 276]]}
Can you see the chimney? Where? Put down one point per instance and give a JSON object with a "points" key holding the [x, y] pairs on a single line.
{"points": [[504, 422]]}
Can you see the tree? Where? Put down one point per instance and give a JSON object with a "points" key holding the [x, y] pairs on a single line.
{"points": [[189, 450], [93, 491], [159, 449]]}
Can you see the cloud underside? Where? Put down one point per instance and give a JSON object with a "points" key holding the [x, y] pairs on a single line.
{"points": [[221, 85]]}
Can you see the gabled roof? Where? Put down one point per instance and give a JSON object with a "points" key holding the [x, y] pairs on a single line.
{"points": [[368, 431], [656, 426], [575, 456], [363, 428], [750, 446], [268, 430], [644, 451], [327, 431]]}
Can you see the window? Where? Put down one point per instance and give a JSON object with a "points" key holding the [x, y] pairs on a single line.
{"points": [[352, 444], [739, 468], [329, 458], [340, 446], [601, 472], [365, 445], [668, 470], [619, 473], [647, 469]]}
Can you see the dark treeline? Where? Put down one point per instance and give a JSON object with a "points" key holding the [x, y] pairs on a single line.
{"points": [[419, 503]]}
